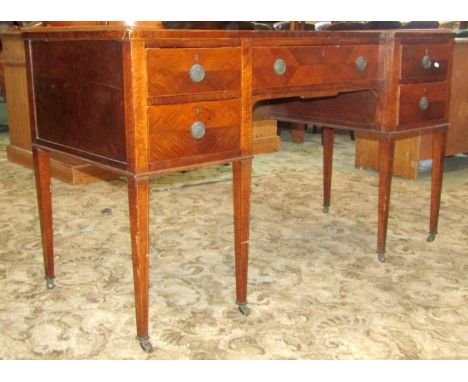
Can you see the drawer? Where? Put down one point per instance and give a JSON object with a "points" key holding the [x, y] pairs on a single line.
{"points": [[425, 63], [203, 130], [422, 102], [308, 66], [193, 71]]}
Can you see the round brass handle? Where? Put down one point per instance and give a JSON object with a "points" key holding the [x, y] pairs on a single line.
{"points": [[197, 73], [361, 63], [279, 66], [426, 62], [424, 103], [198, 129]]}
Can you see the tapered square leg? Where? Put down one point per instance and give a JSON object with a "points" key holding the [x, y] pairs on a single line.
{"points": [[328, 137], [386, 151], [138, 201], [44, 200], [439, 140], [242, 172]]}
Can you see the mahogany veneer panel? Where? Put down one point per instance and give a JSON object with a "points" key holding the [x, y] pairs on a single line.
{"points": [[313, 65], [411, 62], [79, 103], [410, 111], [168, 71], [170, 130]]}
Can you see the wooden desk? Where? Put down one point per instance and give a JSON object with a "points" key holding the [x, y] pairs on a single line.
{"points": [[164, 100]]}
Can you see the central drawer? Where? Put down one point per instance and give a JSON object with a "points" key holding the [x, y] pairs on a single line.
{"points": [[194, 132], [308, 66], [193, 71]]}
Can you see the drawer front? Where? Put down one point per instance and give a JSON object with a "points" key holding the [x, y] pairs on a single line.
{"points": [[193, 71], [425, 63], [308, 66], [194, 130], [422, 102]]}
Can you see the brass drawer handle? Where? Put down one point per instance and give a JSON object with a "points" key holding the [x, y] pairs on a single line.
{"points": [[198, 129], [197, 73], [424, 103], [361, 63], [426, 62], [279, 66]]}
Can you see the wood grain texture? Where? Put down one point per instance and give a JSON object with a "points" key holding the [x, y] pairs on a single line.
{"points": [[264, 136], [171, 137], [307, 66], [411, 62], [386, 148], [168, 71], [138, 201], [457, 138], [242, 174], [439, 141], [44, 201], [135, 93], [356, 109], [79, 103], [19, 150], [14, 66], [411, 114], [405, 163]]}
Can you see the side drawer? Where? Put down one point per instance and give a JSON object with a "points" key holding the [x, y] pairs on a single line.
{"points": [[193, 71], [194, 131], [308, 66], [422, 102], [425, 63]]}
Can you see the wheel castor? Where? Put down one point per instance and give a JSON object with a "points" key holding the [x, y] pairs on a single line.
{"points": [[244, 309], [431, 236], [381, 256], [145, 344], [326, 209], [50, 282]]}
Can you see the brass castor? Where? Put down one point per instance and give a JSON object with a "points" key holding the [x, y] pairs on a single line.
{"points": [[431, 236], [326, 209], [50, 282], [244, 309], [381, 256], [145, 344]]}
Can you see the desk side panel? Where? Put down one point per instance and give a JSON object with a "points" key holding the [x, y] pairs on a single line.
{"points": [[78, 95]]}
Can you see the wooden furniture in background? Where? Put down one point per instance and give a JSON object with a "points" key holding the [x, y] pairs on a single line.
{"points": [[69, 170], [410, 151], [167, 101], [264, 136]]}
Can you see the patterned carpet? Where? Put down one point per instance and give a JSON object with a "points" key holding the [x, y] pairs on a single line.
{"points": [[316, 289]]}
